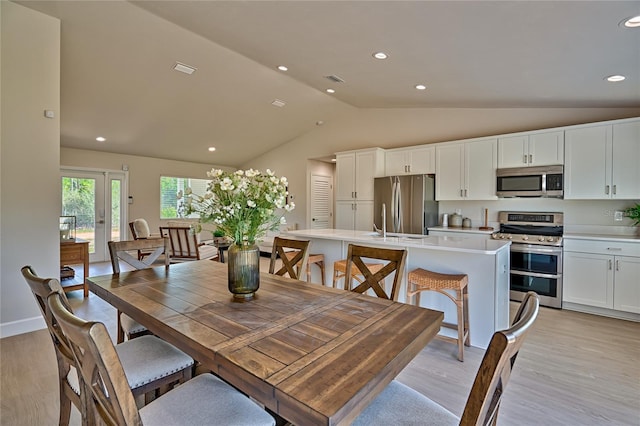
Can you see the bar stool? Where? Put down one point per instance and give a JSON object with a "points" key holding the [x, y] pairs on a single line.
{"points": [[317, 259], [340, 270], [420, 280]]}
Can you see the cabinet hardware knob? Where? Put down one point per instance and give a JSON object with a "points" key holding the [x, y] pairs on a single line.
{"points": [[610, 262], [524, 159], [530, 158], [614, 189], [606, 189]]}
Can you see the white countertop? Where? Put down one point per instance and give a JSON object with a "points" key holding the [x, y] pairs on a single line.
{"points": [[447, 243], [461, 229], [603, 237]]}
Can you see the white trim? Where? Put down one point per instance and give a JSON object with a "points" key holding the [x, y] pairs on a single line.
{"points": [[27, 325]]}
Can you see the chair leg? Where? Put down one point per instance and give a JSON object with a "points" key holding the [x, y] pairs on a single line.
{"points": [[120, 330], [461, 321], [467, 329], [321, 266], [65, 406], [335, 278]]}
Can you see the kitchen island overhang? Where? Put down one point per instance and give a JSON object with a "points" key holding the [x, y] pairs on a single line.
{"points": [[485, 261]]}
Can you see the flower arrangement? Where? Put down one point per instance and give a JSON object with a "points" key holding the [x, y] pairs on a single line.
{"points": [[244, 205]]}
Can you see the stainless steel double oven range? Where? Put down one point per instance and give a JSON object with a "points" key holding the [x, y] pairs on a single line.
{"points": [[536, 254]]}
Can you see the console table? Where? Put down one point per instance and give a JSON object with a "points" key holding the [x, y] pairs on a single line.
{"points": [[75, 252]]}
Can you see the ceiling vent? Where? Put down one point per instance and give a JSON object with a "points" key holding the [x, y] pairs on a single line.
{"points": [[187, 69], [334, 78], [278, 103]]}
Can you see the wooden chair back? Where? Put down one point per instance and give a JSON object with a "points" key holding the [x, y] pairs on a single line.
{"points": [[110, 399], [41, 288], [495, 370], [183, 242], [155, 247], [290, 265], [375, 281]]}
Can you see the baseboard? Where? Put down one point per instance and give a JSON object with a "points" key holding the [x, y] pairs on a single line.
{"points": [[629, 316], [28, 325]]}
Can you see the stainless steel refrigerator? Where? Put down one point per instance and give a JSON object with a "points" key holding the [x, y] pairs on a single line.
{"points": [[409, 203]]}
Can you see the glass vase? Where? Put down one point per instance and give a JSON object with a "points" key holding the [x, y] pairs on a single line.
{"points": [[244, 270]]}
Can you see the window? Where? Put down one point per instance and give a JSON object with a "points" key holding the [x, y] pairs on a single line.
{"points": [[170, 206]]}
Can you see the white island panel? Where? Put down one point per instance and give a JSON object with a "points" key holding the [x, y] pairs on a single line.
{"points": [[485, 261]]}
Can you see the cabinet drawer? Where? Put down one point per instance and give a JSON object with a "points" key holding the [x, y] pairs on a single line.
{"points": [[72, 253], [612, 247]]}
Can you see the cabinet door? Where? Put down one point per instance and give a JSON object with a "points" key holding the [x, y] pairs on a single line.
{"points": [[395, 163], [422, 161], [626, 161], [345, 176], [546, 149], [364, 216], [588, 279], [480, 162], [365, 173], [586, 153], [512, 151], [449, 172], [626, 291], [345, 215]]}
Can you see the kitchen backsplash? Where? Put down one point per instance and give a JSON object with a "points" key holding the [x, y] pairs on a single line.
{"points": [[582, 214]]}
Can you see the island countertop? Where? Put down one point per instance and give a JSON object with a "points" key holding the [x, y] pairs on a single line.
{"points": [[443, 243]]}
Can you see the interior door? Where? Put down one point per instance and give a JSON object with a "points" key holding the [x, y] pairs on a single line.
{"points": [[321, 202], [97, 200]]}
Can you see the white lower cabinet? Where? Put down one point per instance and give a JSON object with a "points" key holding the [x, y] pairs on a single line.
{"points": [[593, 277], [357, 215]]}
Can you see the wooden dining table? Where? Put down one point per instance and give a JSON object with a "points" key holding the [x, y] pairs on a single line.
{"points": [[311, 354]]}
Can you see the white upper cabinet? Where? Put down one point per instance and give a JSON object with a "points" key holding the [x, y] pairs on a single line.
{"points": [[535, 149], [410, 161], [603, 162], [466, 170]]}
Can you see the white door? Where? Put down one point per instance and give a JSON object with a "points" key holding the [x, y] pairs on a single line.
{"points": [[321, 202], [97, 200]]}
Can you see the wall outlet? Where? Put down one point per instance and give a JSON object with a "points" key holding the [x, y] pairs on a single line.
{"points": [[617, 215]]}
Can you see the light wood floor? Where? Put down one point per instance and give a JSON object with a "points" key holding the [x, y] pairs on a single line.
{"points": [[574, 369]]}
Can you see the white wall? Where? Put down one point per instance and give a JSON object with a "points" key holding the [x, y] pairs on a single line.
{"points": [[144, 177], [30, 152]]}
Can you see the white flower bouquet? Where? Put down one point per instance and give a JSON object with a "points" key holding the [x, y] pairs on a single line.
{"points": [[244, 205]]}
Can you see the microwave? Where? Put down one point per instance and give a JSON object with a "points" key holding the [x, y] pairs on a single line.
{"points": [[541, 181]]}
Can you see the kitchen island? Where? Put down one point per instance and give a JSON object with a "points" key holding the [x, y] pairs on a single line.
{"points": [[485, 261]]}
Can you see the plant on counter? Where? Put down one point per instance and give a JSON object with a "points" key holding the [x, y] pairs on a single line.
{"points": [[634, 214], [244, 205]]}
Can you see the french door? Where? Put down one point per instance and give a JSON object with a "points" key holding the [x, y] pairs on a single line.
{"points": [[98, 201]]}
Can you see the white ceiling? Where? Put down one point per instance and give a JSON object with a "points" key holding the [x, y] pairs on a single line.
{"points": [[118, 81]]}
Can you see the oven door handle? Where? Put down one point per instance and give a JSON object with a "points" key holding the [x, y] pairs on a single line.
{"points": [[535, 274], [531, 249]]}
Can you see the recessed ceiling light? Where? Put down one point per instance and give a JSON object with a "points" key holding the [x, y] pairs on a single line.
{"points": [[331, 91], [333, 160], [616, 78], [380, 55], [278, 103], [187, 69], [319, 123], [212, 148], [633, 22], [100, 139], [283, 68], [421, 87]]}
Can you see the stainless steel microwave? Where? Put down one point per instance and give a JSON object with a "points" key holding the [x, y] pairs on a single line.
{"points": [[541, 181]]}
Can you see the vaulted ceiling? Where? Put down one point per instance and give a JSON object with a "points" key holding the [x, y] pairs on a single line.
{"points": [[118, 80]]}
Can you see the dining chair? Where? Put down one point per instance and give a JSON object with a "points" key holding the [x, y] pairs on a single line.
{"points": [[294, 255], [120, 251], [202, 400], [375, 280], [184, 245], [398, 404], [149, 363]]}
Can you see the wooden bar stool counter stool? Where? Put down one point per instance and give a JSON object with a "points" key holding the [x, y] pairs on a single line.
{"points": [[420, 280], [340, 271]]}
